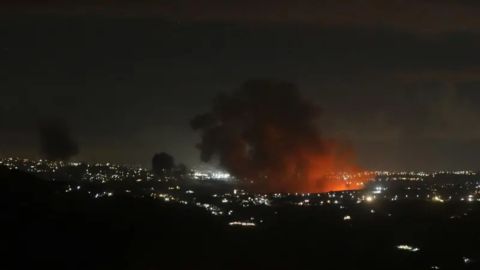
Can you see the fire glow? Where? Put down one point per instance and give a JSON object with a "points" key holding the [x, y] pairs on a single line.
{"points": [[266, 135]]}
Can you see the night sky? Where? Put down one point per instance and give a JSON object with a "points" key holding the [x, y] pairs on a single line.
{"points": [[399, 80]]}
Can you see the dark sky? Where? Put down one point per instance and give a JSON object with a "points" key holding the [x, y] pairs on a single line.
{"points": [[400, 80]]}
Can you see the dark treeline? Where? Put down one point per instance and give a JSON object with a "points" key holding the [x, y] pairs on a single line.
{"points": [[47, 228]]}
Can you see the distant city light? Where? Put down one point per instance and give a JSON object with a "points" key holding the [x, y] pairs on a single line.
{"points": [[242, 224], [466, 260], [408, 248], [211, 175]]}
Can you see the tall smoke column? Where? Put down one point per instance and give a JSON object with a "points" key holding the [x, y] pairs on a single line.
{"points": [[266, 132], [56, 141]]}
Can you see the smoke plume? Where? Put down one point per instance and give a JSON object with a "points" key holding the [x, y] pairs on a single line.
{"points": [[265, 133], [162, 163], [56, 142]]}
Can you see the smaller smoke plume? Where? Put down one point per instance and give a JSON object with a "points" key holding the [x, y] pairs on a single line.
{"points": [[162, 163], [56, 141]]}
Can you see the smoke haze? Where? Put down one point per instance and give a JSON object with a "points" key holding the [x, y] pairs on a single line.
{"points": [[266, 132]]}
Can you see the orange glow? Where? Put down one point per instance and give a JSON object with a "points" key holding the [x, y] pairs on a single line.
{"points": [[312, 169], [266, 135]]}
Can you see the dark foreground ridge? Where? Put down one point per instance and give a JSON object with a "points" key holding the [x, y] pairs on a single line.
{"points": [[46, 228]]}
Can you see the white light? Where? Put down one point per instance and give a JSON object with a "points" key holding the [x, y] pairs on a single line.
{"points": [[347, 218], [243, 224], [408, 248], [220, 175], [466, 260]]}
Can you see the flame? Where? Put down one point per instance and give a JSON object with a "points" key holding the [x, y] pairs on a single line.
{"points": [[265, 132], [308, 170]]}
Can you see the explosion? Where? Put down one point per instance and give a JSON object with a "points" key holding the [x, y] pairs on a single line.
{"points": [[265, 134]]}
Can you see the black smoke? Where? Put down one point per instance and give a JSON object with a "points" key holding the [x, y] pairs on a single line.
{"points": [[267, 132], [162, 163], [56, 141]]}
